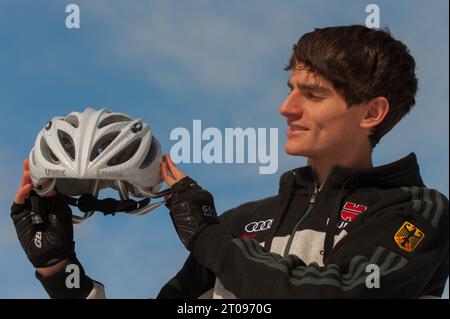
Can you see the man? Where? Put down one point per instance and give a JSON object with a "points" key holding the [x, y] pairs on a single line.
{"points": [[333, 222]]}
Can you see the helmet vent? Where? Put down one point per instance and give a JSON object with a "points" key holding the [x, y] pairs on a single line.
{"points": [[47, 152], [67, 144], [150, 157], [113, 119], [126, 154], [72, 120], [102, 144]]}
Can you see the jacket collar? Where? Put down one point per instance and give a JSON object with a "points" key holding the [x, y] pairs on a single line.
{"points": [[404, 172]]}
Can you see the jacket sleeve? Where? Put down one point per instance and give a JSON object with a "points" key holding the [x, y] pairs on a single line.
{"points": [[191, 281], [194, 279], [401, 251], [74, 284]]}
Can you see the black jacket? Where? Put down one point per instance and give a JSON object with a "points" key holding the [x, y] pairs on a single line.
{"points": [[375, 232]]}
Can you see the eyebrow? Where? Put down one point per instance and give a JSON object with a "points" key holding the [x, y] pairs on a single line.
{"points": [[311, 86]]}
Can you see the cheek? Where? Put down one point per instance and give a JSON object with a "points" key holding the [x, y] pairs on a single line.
{"points": [[326, 123], [342, 128], [334, 128]]}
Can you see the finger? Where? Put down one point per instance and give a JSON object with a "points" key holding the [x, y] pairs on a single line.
{"points": [[174, 170], [26, 178], [22, 194], [165, 175], [167, 178], [26, 165]]}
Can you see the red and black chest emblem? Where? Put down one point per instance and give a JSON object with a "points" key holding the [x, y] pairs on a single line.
{"points": [[349, 212]]}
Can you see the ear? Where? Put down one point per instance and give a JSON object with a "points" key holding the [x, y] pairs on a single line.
{"points": [[377, 109]]}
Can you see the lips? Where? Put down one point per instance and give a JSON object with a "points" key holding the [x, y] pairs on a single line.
{"points": [[295, 130]]}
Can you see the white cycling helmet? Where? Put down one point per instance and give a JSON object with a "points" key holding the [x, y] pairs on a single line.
{"points": [[85, 152]]}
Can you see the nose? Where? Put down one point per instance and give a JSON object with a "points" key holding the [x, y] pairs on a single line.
{"points": [[291, 106]]}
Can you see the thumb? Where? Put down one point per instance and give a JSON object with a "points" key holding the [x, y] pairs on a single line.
{"points": [[22, 194]]}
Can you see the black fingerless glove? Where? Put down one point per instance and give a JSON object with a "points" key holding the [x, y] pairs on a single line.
{"points": [[45, 231], [191, 209]]}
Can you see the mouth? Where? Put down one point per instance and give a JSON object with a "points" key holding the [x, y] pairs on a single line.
{"points": [[296, 130], [297, 127]]}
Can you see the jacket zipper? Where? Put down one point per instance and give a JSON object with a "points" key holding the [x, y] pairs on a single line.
{"points": [[312, 201]]}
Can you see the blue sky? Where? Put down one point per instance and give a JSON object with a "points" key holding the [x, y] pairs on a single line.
{"points": [[170, 62]]}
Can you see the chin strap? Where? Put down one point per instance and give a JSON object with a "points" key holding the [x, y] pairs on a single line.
{"points": [[108, 206], [89, 203]]}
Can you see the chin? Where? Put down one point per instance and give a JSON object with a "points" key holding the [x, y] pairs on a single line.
{"points": [[295, 150]]}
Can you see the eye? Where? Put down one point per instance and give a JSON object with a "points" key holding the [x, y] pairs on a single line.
{"points": [[313, 96]]}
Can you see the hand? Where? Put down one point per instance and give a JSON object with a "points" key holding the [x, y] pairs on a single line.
{"points": [[191, 207], [170, 173], [44, 229], [25, 187], [23, 192]]}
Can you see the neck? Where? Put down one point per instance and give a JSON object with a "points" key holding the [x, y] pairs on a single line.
{"points": [[323, 166]]}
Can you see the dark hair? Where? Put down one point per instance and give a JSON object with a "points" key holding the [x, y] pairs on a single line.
{"points": [[362, 64]]}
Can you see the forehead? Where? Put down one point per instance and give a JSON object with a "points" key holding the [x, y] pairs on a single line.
{"points": [[300, 75], [306, 80]]}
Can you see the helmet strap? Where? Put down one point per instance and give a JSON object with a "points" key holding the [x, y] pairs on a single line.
{"points": [[108, 206]]}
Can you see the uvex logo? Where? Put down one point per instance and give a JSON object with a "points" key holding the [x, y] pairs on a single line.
{"points": [[55, 172], [258, 226]]}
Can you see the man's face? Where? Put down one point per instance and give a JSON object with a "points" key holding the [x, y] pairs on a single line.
{"points": [[320, 125]]}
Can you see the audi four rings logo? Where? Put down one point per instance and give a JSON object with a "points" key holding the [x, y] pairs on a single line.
{"points": [[258, 226]]}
